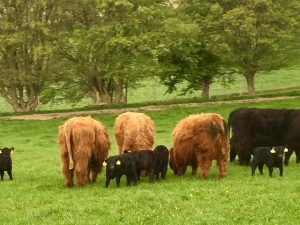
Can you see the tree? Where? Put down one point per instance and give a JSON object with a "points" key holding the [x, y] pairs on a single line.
{"points": [[250, 35], [185, 56], [27, 34], [111, 46]]}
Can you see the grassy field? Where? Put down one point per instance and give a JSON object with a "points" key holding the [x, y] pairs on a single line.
{"points": [[152, 90], [37, 195]]}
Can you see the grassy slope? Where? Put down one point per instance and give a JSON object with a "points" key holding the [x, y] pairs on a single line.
{"points": [[152, 90], [37, 194]]}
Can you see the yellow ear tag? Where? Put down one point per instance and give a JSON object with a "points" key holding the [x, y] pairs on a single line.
{"points": [[0, 152], [273, 150], [104, 164], [118, 162], [285, 150]]}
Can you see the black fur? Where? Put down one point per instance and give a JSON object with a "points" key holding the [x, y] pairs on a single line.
{"points": [[263, 155], [5, 162], [264, 127], [144, 160], [162, 159], [127, 167]]}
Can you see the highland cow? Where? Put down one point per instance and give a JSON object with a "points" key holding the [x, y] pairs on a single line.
{"points": [[134, 131], [271, 156], [84, 144], [200, 138], [253, 127], [161, 153], [5, 162]]}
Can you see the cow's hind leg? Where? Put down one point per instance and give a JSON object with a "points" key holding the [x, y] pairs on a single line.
{"points": [[222, 167], [81, 172], [288, 156], [260, 167], [204, 163], [194, 169], [164, 171], [67, 173], [232, 155], [9, 174], [253, 167], [270, 170], [95, 170]]}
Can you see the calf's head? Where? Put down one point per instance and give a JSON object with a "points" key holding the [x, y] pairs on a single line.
{"points": [[279, 151], [6, 151], [112, 165]]}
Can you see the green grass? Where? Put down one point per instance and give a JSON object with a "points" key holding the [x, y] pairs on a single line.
{"points": [[37, 195], [151, 91]]}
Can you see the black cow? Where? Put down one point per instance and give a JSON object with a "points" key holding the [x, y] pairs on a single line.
{"points": [[162, 159], [5, 162], [144, 160], [271, 156], [254, 127], [119, 165]]}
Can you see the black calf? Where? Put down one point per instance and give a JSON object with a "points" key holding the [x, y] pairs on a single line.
{"points": [[119, 165], [162, 159], [5, 162], [272, 157]]}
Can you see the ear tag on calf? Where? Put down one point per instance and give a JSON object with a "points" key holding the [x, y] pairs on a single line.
{"points": [[118, 162], [0, 152], [104, 164], [285, 150], [273, 150]]}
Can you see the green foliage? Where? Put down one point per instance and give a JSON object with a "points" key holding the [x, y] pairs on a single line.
{"points": [[37, 195], [112, 46], [28, 31], [251, 36]]}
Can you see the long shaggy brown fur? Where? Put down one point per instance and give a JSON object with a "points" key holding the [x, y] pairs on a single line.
{"points": [[134, 131], [84, 144], [197, 140]]}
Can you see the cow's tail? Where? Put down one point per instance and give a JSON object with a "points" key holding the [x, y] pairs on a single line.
{"points": [[229, 126], [68, 141]]}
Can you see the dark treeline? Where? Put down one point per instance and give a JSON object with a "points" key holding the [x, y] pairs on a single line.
{"points": [[73, 49]]}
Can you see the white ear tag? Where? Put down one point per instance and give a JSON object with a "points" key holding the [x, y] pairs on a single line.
{"points": [[104, 163], [272, 150], [285, 150], [118, 162]]}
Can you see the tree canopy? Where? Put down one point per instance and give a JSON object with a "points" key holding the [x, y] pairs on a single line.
{"points": [[75, 49]]}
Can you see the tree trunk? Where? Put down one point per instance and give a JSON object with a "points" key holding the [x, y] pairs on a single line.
{"points": [[104, 97], [94, 96], [24, 101], [205, 89], [118, 92], [249, 75]]}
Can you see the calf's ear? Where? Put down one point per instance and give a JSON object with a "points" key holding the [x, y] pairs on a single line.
{"points": [[285, 150], [105, 162], [273, 150]]}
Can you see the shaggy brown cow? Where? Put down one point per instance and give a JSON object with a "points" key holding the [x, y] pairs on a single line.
{"points": [[134, 131], [197, 140], [84, 145]]}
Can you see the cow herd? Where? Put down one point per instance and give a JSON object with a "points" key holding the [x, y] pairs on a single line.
{"points": [[268, 134]]}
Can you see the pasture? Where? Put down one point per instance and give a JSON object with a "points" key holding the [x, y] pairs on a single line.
{"points": [[151, 90], [37, 195]]}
